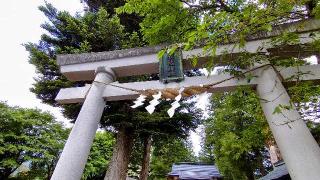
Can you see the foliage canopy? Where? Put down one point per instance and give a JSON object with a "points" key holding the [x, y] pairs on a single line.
{"points": [[29, 135], [238, 131]]}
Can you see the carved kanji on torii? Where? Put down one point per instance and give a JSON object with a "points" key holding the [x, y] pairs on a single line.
{"points": [[300, 151]]}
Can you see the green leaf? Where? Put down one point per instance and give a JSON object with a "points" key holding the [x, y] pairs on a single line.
{"points": [[249, 77], [277, 110], [194, 61], [161, 53], [172, 50]]}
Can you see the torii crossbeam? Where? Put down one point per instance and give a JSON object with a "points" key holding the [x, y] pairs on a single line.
{"points": [[300, 151]]}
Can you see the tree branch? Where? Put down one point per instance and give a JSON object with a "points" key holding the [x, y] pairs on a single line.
{"points": [[197, 7]]}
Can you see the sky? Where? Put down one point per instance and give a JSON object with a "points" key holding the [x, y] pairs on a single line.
{"points": [[20, 22]]}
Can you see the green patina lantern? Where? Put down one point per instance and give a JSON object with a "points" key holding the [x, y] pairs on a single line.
{"points": [[171, 67]]}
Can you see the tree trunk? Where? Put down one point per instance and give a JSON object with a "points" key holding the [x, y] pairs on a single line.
{"points": [[5, 173], [146, 158], [118, 166], [262, 169], [51, 168], [274, 152], [250, 176], [318, 58], [48, 172]]}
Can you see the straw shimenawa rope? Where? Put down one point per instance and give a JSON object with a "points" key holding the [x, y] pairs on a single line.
{"points": [[171, 93]]}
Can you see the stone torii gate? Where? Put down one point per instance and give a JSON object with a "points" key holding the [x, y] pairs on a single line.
{"points": [[300, 151]]}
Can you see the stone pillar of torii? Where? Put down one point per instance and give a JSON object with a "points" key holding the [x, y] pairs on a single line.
{"points": [[300, 151]]}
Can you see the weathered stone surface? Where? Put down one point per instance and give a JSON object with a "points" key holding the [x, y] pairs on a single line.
{"points": [[74, 156], [299, 150], [139, 61], [299, 26], [307, 25], [107, 55]]}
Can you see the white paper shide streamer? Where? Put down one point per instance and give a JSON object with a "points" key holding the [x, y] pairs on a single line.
{"points": [[153, 103], [139, 101], [175, 104]]}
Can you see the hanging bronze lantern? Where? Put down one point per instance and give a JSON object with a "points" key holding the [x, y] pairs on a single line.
{"points": [[171, 67]]}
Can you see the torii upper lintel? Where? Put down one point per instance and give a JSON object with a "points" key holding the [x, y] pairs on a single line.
{"points": [[139, 61]]}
